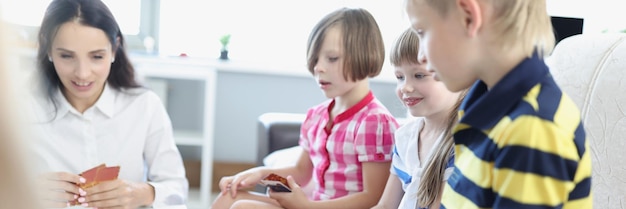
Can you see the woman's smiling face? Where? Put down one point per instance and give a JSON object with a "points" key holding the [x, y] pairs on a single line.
{"points": [[82, 57]]}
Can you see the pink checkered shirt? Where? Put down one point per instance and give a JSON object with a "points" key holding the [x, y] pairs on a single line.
{"points": [[363, 133]]}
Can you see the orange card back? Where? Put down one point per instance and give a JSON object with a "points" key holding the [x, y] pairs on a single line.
{"points": [[108, 173]]}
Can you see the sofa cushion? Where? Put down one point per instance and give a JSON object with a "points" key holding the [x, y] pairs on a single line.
{"points": [[591, 69], [277, 131]]}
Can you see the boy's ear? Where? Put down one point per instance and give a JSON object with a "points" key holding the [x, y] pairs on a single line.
{"points": [[472, 15]]}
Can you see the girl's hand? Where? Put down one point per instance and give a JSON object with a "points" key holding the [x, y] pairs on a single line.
{"points": [[59, 188], [118, 194], [294, 199], [245, 179]]}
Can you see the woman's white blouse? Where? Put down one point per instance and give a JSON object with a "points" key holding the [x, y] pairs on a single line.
{"points": [[129, 128]]}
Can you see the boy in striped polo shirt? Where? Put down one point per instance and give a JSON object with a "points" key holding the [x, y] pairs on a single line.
{"points": [[520, 142]]}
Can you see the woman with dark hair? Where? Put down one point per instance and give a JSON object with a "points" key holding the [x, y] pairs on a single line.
{"points": [[90, 110]]}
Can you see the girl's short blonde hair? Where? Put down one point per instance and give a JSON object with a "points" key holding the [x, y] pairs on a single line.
{"points": [[518, 23], [362, 42]]}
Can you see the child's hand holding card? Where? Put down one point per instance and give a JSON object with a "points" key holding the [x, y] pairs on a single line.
{"points": [[276, 183]]}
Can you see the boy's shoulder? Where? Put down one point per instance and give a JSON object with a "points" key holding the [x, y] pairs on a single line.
{"points": [[528, 89]]}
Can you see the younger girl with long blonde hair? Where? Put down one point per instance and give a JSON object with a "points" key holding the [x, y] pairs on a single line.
{"points": [[423, 153]]}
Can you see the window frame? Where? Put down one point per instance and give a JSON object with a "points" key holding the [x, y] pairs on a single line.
{"points": [[148, 27]]}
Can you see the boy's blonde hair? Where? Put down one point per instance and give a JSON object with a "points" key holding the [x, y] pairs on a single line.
{"points": [[362, 42], [519, 23]]}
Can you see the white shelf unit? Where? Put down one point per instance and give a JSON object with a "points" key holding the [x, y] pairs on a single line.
{"points": [[178, 70]]}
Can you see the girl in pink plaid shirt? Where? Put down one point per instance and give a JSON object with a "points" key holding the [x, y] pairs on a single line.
{"points": [[347, 140]]}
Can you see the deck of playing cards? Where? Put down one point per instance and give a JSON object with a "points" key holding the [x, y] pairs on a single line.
{"points": [[96, 175], [276, 183], [99, 174]]}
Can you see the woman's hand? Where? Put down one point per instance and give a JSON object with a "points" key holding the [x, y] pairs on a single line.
{"points": [[60, 188], [244, 179], [294, 199], [118, 194]]}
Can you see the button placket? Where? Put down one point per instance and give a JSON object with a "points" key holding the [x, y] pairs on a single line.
{"points": [[89, 134]]}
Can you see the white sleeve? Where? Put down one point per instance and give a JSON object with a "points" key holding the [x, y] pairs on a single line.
{"points": [[166, 172]]}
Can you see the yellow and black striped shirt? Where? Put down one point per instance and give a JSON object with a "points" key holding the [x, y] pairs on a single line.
{"points": [[520, 145]]}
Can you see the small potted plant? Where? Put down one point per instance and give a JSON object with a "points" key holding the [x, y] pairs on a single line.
{"points": [[224, 40]]}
